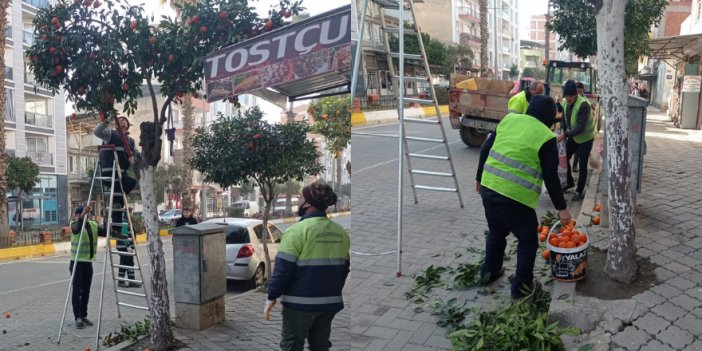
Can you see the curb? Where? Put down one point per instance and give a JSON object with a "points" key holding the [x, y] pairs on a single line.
{"points": [[64, 247], [360, 119]]}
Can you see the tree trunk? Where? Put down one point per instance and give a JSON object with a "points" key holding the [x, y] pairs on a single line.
{"points": [[161, 333], [339, 168], [187, 147], [266, 214], [621, 256], [484, 36], [4, 228]]}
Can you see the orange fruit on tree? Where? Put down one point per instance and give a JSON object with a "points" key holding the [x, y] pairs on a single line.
{"points": [[546, 254], [596, 220], [570, 244], [598, 207], [542, 237]]}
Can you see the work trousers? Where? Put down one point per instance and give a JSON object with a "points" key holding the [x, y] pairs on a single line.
{"points": [[300, 325], [81, 287], [583, 151]]}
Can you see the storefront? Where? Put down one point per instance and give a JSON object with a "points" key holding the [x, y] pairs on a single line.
{"points": [[43, 207]]}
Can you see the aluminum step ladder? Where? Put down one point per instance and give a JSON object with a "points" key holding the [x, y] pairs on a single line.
{"points": [[109, 196], [400, 79]]}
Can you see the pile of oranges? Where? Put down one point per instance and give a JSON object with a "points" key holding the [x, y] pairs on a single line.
{"points": [[567, 237], [596, 219]]}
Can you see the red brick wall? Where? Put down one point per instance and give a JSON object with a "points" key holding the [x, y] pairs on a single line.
{"points": [[673, 19]]}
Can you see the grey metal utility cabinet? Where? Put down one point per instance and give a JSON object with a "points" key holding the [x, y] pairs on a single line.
{"points": [[200, 281]]}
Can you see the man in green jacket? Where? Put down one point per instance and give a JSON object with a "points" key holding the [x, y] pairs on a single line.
{"points": [[520, 101], [579, 128], [83, 249], [310, 272]]}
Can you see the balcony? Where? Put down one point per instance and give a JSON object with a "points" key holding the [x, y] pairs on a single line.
{"points": [[8, 73], [38, 120], [41, 158], [470, 40], [40, 4], [466, 14], [27, 37]]}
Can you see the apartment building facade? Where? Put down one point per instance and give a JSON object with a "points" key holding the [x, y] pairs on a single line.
{"points": [[35, 126]]}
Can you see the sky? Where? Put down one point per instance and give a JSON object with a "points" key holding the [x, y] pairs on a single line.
{"points": [[528, 8]]}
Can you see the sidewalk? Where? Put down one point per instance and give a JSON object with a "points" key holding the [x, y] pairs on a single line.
{"points": [[668, 223]]}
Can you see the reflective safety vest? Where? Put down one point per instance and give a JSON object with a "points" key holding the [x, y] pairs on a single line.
{"points": [[513, 167], [88, 243], [589, 132], [518, 103]]}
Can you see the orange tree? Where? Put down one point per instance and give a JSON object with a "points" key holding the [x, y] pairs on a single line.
{"points": [[254, 149], [332, 120], [100, 54]]}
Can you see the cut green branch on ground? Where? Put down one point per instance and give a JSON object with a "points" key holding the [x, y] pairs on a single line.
{"points": [[451, 313], [132, 332], [423, 283]]}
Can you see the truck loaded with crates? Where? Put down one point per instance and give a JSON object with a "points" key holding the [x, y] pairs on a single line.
{"points": [[477, 105]]}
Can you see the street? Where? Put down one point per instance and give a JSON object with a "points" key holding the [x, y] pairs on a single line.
{"points": [[34, 292]]}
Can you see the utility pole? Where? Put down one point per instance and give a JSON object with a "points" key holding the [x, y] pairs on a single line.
{"points": [[546, 32]]}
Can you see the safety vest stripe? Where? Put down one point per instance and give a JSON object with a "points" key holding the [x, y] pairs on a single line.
{"points": [[512, 178], [515, 164], [323, 300], [513, 111], [286, 256], [322, 262]]}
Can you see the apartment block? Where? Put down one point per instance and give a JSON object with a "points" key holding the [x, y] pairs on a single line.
{"points": [[35, 125]]}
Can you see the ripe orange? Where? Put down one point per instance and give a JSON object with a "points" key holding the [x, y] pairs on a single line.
{"points": [[87, 348], [596, 220], [546, 254], [8, 314], [598, 207], [554, 241], [583, 238], [575, 238], [542, 237], [562, 244], [570, 244], [538, 229]]}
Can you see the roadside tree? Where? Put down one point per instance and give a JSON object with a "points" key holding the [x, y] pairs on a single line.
{"points": [[22, 174], [4, 227], [242, 148], [101, 53], [332, 120]]}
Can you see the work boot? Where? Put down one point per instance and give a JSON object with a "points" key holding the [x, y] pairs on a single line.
{"points": [[79, 323], [122, 284], [578, 196], [525, 290], [87, 322], [489, 278], [134, 285]]}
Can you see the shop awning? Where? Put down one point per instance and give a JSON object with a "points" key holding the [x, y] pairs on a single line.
{"points": [[675, 48]]}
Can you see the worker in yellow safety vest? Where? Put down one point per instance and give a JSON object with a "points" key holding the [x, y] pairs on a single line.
{"points": [[514, 161], [579, 129], [519, 102]]}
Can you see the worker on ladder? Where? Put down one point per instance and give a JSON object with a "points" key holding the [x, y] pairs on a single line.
{"points": [[126, 154], [519, 102]]}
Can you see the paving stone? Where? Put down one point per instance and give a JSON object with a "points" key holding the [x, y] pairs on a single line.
{"points": [[649, 298], [691, 323], [663, 274], [655, 345], [681, 283], [651, 324], [668, 311], [676, 267], [685, 302], [675, 337], [666, 290], [631, 338], [611, 326]]}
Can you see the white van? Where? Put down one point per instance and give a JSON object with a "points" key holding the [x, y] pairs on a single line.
{"points": [[279, 206], [250, 208]]}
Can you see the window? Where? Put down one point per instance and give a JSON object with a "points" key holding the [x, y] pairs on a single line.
{"points": [[275, 233], [37, 106], [9, 106], [237, 235], [698, 6], [37, 144], [259, 230], [72, 164]]}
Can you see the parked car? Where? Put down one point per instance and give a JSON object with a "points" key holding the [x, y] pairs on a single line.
{"points": [[170, 216], [251, 208], [279, 206], [245, 259]]}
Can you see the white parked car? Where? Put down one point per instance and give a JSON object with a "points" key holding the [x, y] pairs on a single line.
{"points": [[170, 216], [250, 208], [279, 206], [245, 257]]}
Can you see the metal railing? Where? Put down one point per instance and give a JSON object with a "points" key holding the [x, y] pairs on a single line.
{"points": [[41, 158], [38, 120], [27, 37], [37, 3], [32, 238]]}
